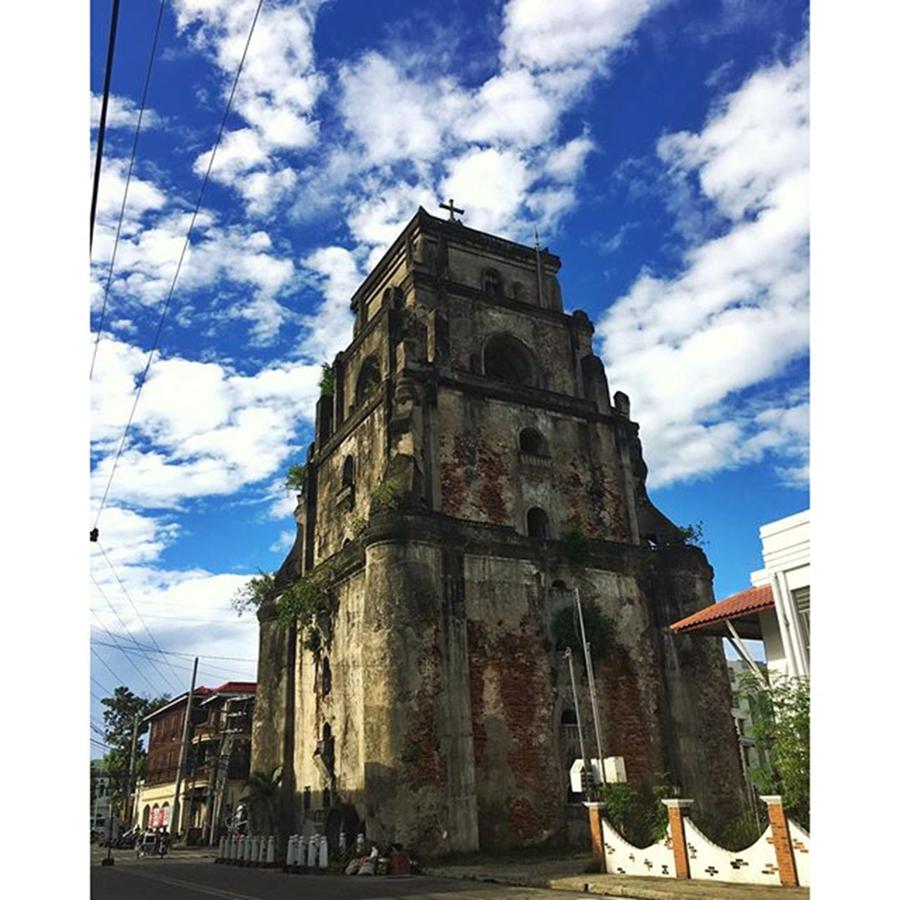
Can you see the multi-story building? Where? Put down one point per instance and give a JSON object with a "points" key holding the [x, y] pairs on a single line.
{"points": [[470, 471], [217, 761]]}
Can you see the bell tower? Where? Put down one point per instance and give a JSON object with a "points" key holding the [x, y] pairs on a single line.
{"points": [[465, 448]]}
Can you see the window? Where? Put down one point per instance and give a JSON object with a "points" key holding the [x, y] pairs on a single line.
{"points": [[491, 283], [368, 380], [508, 359], [538, 524], [347, 472], [532, 441]]}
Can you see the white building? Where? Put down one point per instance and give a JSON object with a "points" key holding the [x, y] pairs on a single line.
{"points": [[785, 631], [776, 609]]}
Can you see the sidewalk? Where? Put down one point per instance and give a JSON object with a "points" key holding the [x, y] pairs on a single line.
{"points": [[568, 875]]}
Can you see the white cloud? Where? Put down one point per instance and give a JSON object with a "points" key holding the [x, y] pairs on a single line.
{"points": [[212, 430], [122, 112], [276, 94], [490, 184], [330, 329], [568, 33], [737, 313]]}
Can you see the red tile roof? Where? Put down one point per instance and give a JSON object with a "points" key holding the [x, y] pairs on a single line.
{"points": [[236, 687], [745, 603]]}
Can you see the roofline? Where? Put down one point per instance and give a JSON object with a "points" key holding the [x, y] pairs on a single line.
{"points": [[423, 217]]}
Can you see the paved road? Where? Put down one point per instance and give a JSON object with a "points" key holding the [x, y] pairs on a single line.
{"points": [[196, 879]]}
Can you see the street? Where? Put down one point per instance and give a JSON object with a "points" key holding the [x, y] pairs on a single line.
{"points": [[197, 878]]}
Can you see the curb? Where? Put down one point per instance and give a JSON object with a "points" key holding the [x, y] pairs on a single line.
{"points": [[583, 884]]}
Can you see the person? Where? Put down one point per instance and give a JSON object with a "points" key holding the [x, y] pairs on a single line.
{"points": [[163, 844]]}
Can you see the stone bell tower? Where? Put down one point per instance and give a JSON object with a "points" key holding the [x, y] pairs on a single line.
{"points": [[467, 437]]}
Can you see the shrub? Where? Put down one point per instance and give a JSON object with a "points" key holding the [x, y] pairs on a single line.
{"points": [[326, 381], [253, 593], [576, 545], [692, 535], [386, 496], [599, 629], [295, 478], [637, 812]]}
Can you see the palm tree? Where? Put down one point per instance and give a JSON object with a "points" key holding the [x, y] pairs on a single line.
{"points": [[262, 790]]}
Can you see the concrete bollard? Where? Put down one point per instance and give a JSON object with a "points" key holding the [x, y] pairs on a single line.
{"points": [[323, 852], [301, 854], [342, 842], [290, 854], [220, 856], [254, 850], [311, 849], [239, 850], [270, 852]]}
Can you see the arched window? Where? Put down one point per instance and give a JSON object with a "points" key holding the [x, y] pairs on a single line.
{"points": [[368, 380], [559, 586], [492, 283], [538, 523], [532, 441], [326, 677], [508, 359], [347, 472]]}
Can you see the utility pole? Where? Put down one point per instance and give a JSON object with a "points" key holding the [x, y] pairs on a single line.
{"points": [[586, 763], [129, 797], [590, 674], [182, 755]]}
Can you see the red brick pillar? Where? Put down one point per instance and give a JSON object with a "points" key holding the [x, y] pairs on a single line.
{"points": [[781, 838], [678, 810], [595, 818]]}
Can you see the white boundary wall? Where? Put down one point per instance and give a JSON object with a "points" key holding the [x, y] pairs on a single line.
{"points": [[710, 862], [623, 858]]}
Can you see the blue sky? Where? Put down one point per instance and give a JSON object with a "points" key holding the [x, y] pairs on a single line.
{"points": [[659, 147]]}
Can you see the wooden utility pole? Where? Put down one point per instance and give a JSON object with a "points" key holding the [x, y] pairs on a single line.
{"points": [[129, 797], [182, 755]]}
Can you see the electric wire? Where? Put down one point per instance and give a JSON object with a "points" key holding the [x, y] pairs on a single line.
{"points": [[137, 612], [137, 132], [101, 125], [187, 241], [121, 649], [106, 665], [117, 646], [215, 671]]}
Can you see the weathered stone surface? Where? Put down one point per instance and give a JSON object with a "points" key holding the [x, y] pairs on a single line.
{"points": [[435, 703]]}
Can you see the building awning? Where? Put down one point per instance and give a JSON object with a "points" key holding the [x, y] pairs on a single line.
{"points": [[740, 609]]}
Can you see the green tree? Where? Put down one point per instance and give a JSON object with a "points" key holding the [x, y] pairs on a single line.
{"points": [[779, 724], [119, 714], [262, 789], [248, 598], [326, 380]]}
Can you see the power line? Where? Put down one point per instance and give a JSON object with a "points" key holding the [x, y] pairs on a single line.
{"points": [[137, 132], [128, 596], [215, 671], [198, 621], [101, 130], [187, 241], [102, 660], [116, 645]]}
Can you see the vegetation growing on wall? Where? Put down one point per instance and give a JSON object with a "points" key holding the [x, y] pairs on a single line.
{"points": [[599, 629], [295, 478], [576, 545], [386, 496], [326, 380], [258, 589], [308, 602], [692, 535]]}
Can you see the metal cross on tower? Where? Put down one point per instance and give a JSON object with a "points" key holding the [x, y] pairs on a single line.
{"points": [[452, 209]]}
